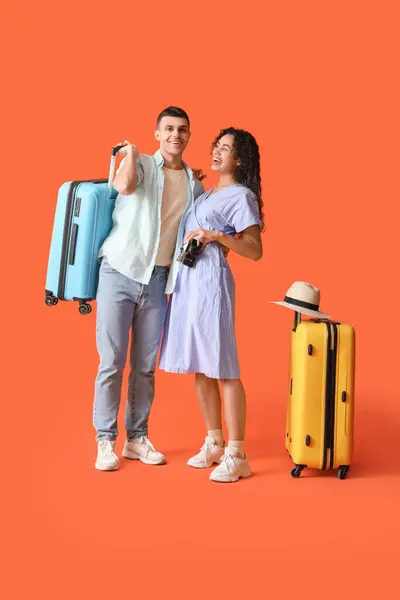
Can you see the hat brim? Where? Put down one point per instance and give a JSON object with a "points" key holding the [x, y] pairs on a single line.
{"points": [[303, 311]]}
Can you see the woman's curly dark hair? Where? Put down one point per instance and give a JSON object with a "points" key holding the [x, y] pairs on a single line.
{"points": [[245, 148]]}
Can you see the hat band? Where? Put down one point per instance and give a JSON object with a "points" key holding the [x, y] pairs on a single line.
{"points": [[301, 303]]}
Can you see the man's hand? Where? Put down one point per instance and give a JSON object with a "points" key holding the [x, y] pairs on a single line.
{"points": [[198, 174], [128, 148]]}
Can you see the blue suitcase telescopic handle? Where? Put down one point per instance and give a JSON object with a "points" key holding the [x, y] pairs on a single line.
{"points": [[114, 152], [116, 149]]}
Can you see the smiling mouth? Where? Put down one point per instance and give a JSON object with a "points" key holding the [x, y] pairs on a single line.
{"points": [[217, 161]]}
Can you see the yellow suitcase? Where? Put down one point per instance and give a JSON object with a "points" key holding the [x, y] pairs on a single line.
{"points": [[320, 408]]}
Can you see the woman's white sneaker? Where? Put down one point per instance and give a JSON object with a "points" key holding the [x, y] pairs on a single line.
{"points": [[107, 460], [142, 449], [209, 454], [232, 467]]}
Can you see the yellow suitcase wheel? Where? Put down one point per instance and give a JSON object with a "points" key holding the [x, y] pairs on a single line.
{"points": [[342, 472]]}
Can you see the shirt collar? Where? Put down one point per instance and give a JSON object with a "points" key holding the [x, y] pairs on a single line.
{"points": [[158, 157]]}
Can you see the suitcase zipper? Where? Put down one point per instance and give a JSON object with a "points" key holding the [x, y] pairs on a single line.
{"points": [[327, 396], [330, 395], [333, 394], [65, 242], [69, 214]]}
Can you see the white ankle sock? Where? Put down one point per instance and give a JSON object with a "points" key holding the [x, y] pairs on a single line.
{"points": [[217, 435], [236, 447]]}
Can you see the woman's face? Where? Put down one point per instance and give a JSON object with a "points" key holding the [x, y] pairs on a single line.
{"points": [[223, 159]]}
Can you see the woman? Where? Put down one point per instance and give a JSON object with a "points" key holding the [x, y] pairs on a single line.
{"points": [[199, 332]]}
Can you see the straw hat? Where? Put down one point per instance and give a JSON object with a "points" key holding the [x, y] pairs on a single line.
{"points": [[304, 298]]}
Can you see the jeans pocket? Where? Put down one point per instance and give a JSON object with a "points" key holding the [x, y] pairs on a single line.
{"points": [[161, 274], [105, 266]]}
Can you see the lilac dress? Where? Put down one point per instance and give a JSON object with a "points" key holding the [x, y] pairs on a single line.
{"points": [[199, 334]]}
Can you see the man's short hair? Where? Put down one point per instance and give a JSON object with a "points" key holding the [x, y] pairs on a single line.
{"points": [[173, 111]]}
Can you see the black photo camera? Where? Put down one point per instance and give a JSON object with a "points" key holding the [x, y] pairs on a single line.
{"points": [[189, 253]]}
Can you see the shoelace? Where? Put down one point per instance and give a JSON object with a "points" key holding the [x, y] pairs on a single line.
{"points": [[230, 461], [207, 446], [149, 446], [108, 449]]}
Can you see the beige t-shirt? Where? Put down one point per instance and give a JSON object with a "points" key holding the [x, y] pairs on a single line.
{"points": [[175, 196]]}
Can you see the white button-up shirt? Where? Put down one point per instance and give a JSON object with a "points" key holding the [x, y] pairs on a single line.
{"points": [[131, 247]]}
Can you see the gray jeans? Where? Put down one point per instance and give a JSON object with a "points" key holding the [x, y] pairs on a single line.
{"points": [[122, 305]]}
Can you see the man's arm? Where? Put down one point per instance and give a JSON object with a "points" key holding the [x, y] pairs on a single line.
{"points": [[127, 177]]}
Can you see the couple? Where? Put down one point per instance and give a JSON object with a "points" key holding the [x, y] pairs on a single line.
{"points": [[160, 206]]}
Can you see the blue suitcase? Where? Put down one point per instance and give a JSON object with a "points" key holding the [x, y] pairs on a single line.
{"points": [[82, 221]]}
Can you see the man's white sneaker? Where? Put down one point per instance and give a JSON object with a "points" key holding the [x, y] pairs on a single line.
{"points": [[107, 460], [232, 467], [209, 454], [142, 449]]}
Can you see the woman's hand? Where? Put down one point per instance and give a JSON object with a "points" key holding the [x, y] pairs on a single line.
{"points": [[247, 243], [204, 235]]}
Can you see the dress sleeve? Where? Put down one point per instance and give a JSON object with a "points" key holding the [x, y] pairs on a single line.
{"points": [[242, 210]]}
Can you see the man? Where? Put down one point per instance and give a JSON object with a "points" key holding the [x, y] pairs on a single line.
{"points": [[138, 269]]}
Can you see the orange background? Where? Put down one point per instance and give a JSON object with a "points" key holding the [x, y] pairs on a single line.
{"points": [[317, 83]]}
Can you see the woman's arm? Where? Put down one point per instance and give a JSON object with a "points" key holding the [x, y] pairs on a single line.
{"points": [[248, 245]]}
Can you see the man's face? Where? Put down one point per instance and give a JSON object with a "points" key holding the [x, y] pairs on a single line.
{"points": [[173, 134]]}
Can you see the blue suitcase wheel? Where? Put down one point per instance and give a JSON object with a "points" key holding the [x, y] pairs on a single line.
{"points": [[51, 300], [85, 309]]}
